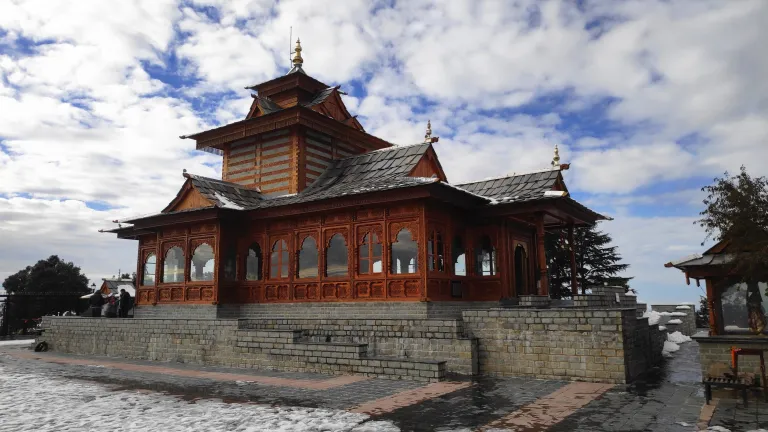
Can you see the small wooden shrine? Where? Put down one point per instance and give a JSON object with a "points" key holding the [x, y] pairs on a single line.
{"points": [[735, 307], [311, 208]]}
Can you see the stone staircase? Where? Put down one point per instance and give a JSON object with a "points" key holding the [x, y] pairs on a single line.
{"points": [[374, 348]]}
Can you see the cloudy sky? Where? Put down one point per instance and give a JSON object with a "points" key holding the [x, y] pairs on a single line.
{"points": [[648, 101]]}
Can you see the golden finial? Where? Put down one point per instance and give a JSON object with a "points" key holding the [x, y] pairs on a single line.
{"points": [[428, 135], [556, 159], [297, 60]]}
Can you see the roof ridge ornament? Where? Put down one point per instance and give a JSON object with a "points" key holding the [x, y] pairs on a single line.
{"points": [[428, 138], [556, 158], [297, 59]]}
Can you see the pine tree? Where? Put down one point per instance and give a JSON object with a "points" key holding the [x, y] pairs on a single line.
{"points": [[702, 315], [597, 262]]}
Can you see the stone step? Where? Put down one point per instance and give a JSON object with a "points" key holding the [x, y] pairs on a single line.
{"points": [[363, 328]]}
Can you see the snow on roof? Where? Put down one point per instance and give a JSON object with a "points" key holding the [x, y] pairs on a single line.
{"points": [[226, 203], [128, 288]]}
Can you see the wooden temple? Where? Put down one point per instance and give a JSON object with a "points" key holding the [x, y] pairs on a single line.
{"points": [[312, 208]]}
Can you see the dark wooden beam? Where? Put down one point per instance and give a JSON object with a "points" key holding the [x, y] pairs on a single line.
{"points": [[574, 279], [541, 252]]}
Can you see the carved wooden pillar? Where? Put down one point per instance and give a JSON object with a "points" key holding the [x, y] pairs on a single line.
{"points": [[574, 278], [543, 275], [713, 312]]}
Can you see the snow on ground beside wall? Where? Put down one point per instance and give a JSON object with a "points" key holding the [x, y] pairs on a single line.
{"points": [[678, 337], [669, 348], [722, 429], [16, 342], [674, 321], [40, 403]]}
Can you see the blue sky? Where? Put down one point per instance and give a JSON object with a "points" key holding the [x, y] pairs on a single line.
{"points": [[648, 100]]}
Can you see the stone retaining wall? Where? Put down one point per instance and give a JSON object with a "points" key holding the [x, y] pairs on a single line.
{"points": [[555, 343], [688, 325], [425, 339], [223, 343], [176, 311], [351, 310]]}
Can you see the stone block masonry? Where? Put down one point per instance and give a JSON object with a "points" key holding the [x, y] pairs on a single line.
{"points": [[715, 353], [685, 313], [224, 343], [573, 344], [570, 343]]}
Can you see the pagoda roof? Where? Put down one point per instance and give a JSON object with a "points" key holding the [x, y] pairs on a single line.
{"points": [[518, 187]]}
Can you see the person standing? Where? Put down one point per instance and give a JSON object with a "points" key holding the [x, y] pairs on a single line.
{"points": [[124, 304], [96, 301]]}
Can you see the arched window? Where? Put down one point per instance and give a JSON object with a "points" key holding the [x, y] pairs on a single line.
{"points": [[485, 264], [173, 265], [459, 257], [253, 263], [521, 270], [404, 253], [230, 264], [370, 254], [202, 263], [308, 259], [336, 258], [148, 275], [435, 252], [278, 261]]}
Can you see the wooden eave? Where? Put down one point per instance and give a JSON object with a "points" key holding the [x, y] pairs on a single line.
{"points": [[562, 211], [296, 115], [287, 82], [181, 217]]}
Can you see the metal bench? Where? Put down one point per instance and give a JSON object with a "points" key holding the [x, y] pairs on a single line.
{"points": [[726, 382]]}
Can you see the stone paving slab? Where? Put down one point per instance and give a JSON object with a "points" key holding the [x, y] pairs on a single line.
{"points": [[669, 400], [186, 385]]}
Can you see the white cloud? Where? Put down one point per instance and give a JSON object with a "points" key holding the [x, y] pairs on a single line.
{"points": [[82, 119]]}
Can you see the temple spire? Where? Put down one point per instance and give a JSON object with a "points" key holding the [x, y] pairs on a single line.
{"points": [[556, 158], [298, 61], [428, 135]]}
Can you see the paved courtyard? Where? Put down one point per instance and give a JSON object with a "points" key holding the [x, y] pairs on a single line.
{"points": [[59, 392]]}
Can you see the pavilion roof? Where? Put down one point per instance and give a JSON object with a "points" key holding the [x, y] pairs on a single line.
{"points": [[517, 187], [383, 170]]}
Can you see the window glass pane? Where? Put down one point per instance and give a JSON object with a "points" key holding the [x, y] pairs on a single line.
{"points": [[173, 265], [364, 266], [404, 252], [308, 258], [734, 304], [336, 261], [278, 267], [486, 258], [230, 265], [459, 257], [202, 264], [365, 247], [148, 277], [376, 255], [431, 252], [253, 263], [439, 251]]}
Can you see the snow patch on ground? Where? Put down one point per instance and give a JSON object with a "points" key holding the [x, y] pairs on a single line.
{"points": [[674, 321], [17, 342], [70, 406], [669, 348], [678, 337]]}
